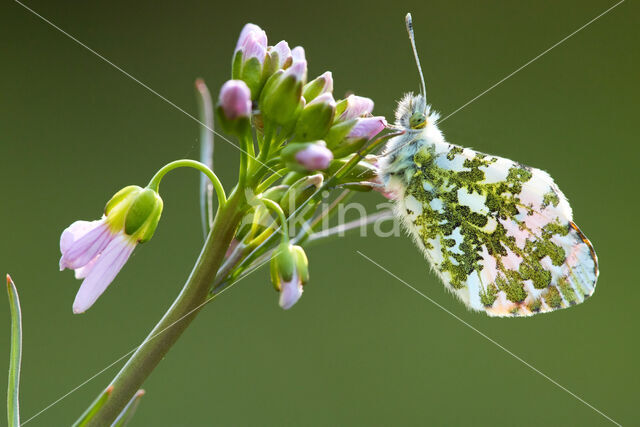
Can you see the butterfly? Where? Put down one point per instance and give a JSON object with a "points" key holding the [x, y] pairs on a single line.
{"points": [[499, 234]]}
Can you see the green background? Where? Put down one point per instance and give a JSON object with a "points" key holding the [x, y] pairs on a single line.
{"points": [[360, 348]]}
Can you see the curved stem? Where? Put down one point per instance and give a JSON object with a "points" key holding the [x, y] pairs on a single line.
{"points": [[183, 310], [154, 184], [271, 205]]}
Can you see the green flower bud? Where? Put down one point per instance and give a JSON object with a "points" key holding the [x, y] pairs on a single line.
{"points": [[292, 177], [275, 193], [315, 118], [338, 132], [281, 99], [321, 84], [299, 192], [135, 209], [362, 171]]}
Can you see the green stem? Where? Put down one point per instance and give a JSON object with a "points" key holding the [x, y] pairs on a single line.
{"points": [[154, 184], [264, 185], [271, 205], [180, 314], [246, 141]]}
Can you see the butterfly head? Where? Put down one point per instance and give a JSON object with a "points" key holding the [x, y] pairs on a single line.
{"points": [[413, 113]]}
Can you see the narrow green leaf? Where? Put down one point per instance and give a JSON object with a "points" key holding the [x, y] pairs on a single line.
{"points": [[94, 408], [205, 110], [127, 413], [13, 401]]}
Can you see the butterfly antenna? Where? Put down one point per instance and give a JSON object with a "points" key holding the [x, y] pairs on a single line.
{"points": [[412, 39]]}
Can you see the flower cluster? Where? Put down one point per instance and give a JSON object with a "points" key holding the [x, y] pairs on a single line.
{"points": [[312, 127], [300, 126]]}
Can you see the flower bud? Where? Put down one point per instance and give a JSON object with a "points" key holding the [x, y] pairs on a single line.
{"points": [[356, 106], [309, 156], [281, 99], [363, 130], [275, 193], [249, 58], [289, 272], [234, 106], [321, 84], [362, 171], [136, 209], [299, 192], [279, 57], [298, 54], [315, 118], [292, 177]]}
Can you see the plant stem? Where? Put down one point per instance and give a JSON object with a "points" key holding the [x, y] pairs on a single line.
{"points": [[180, 314], [154, 184]]}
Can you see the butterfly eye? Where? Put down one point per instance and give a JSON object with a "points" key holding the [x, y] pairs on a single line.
{"points": [[417, 120]]}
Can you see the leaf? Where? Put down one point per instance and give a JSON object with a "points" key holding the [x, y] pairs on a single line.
{"points": [[127, 413], [13, 404], [205, 110], [94, 408]]}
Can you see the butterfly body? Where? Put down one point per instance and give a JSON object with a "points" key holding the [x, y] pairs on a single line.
{"points": [[499, 234]]}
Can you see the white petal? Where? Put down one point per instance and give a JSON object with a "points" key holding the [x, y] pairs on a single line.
{"points": [[83, 248], [106, 267], [290, 293]]}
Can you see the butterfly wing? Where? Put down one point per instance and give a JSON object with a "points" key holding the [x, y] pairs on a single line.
{"points": [[498, 233]]}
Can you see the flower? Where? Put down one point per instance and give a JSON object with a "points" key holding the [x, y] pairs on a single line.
{"points": [[289, 272], [235, 99], [314, 156], [357, 106], [97, 250]]}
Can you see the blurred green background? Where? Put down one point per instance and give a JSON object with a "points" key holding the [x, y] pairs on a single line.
{"points": [[360, 348]]}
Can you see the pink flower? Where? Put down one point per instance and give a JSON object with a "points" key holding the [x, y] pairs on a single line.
{"points": [[97, 250], [96, 253], [367, 127], [314, 157], [357, 106], [235, 99]]}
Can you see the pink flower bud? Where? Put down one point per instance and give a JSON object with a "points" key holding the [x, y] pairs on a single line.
{"points": [[367, 127], [254, 48], [328, 78], [298, 69], [357, 106], [235, 99], [314, 157], [253, 31], [298, 54], [284, 54], [325, 98]]}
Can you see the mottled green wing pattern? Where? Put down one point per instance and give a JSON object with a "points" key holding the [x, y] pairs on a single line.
{"points": [[499, 234]]}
